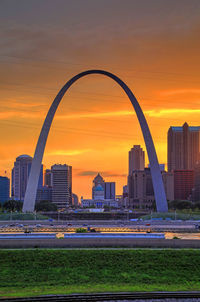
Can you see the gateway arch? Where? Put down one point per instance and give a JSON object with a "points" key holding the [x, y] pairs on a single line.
{"points": [[31, 190]]}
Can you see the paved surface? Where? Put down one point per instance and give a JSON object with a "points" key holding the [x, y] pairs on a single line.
{"points": [[157, 300], [113, 297]]}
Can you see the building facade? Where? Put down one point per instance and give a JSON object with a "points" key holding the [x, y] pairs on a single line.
{"points": [[108, 187], [99, 192], [140, 188], [136, 159], [4, 189], [109, 190], [196, 189], [99, 204], [62, 185], [75, 201], [48, 178], [103, 194], [44, 193], [96, 181], [183, 147], [183, 184]]}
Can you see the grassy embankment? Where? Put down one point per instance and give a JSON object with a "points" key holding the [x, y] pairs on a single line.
{"points": [[179, 215], [21, 216], [37, 272]]}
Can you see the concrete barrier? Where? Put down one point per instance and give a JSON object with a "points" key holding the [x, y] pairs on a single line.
{"points": [[99, 242]]}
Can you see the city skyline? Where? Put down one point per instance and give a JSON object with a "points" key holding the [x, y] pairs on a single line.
{"points": [[163, 75]]}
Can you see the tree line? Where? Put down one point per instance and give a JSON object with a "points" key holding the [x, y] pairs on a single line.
{"points": [[16, 206]]}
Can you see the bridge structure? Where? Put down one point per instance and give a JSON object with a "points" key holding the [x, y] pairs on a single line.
{"points": [[31, 190]]}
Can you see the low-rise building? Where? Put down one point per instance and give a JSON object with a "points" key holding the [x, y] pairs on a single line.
{"points": [[98, 203], [101, 190]]}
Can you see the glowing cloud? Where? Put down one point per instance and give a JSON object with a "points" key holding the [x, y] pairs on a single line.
{"points": [[69, 152], [96, 114], [179, 91], [168, 112]]}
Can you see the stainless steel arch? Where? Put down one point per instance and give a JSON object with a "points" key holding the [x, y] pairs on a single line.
{"points": [[30, 196]]}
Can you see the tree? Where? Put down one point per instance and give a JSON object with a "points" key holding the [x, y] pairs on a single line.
{"points": [[196, 205], [46, 206], [12, 205], [106, 208], [180, 204]]}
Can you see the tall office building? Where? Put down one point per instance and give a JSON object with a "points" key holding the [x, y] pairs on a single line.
{"points": [[62, 185], [4, 189], [136, 159], [183, 147], [20, 173]]}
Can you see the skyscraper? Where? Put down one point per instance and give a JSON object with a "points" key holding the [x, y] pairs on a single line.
{"points": [[136, 159], [183, 147], [62, 185], [20, 173], [4, 189]]}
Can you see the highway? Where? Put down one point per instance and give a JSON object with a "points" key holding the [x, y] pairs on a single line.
{"points": [[100, 226]]}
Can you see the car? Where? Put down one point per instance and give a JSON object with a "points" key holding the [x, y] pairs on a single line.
{"points": [[27, 231]]}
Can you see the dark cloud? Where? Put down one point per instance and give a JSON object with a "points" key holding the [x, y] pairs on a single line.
{"points": [[111, 174], [104, 174], [87, 173]]}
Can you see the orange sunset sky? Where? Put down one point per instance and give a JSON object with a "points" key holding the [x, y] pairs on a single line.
{"points": [[153, 45]]}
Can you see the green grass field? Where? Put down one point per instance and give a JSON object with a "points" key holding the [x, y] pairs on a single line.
{"points": [[37, 272]]}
